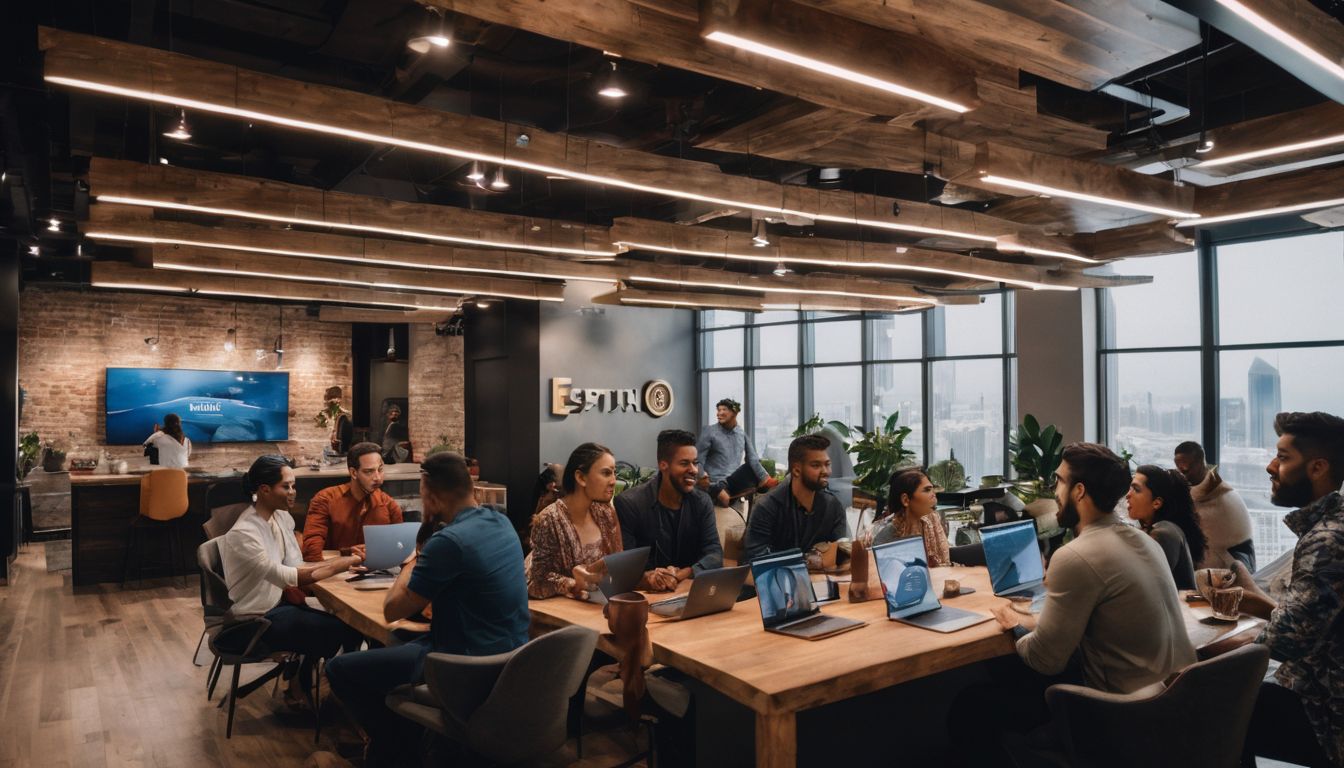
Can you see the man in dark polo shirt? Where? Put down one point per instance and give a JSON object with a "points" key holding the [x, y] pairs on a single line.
{"points": [[471, 571], [800, 513], [671, 517], [337, 515]]}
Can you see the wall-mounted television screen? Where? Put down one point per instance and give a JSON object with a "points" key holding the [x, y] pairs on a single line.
{"points": [[215, 406]]}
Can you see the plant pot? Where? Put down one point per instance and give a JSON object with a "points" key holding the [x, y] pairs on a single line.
{"points": [[1045, 511], [52, 461]]}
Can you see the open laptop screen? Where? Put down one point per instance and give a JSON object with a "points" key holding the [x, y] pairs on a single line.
{"points": [[904, 570], [1012, 555], [783, 588]]}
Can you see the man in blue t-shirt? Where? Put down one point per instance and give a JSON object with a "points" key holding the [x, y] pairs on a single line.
{"points": [[471, 571]]}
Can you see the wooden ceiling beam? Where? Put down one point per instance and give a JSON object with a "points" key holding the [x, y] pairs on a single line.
{"points": [[626, 296], [172, 79], [1151, 239], [1322, 122], [1302, 188], [330, 314], [119, 276]]}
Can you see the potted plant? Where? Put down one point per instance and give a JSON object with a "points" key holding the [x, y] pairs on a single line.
{"points": [[1035, 453], [53, 455], [877, 454], [445, 445], [29, 448]]}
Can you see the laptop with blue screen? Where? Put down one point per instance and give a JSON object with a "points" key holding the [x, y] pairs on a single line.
{"points": [[908, 588], [1014, 560], [788, 604]]}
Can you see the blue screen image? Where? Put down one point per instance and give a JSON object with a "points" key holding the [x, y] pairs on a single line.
{"points": [[1012, 555], [783, 588], [215, 406], [904, 570]]}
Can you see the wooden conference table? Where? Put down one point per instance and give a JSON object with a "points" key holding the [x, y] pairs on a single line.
{"points": [[773, 675]]}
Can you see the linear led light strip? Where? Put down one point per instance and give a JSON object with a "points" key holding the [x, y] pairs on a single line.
{"points": [[774, 289], [832, 263], [305, 125], [238, 213], [1111, 201], [178, 267], [816, 65], [281, 296], [709, 303], [1263, 212], [1269, 28], [1271, 151], [100, 235]]}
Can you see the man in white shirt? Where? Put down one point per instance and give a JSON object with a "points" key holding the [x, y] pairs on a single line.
{"points": [[264, 568], [1222, 513]]}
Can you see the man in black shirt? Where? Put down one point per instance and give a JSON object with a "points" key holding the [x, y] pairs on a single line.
{"points": [[671, 517], [801, 513]]}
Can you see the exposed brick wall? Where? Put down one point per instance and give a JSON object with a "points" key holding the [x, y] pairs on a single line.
{"points": [[436, 389], [68, 337]]}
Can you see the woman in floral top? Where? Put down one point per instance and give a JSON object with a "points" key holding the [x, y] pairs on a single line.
{"points": [[579, 529], [912, 510]]}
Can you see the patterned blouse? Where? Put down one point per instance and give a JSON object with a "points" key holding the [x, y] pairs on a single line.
{"points": [[556, 548], [936, 548]]}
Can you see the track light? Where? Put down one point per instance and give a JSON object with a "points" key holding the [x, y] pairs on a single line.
{"points": [[500, 181], [611, 85], [181, 132], [760, 238], [477, 173], [435, 34], [781, 270], [1205, 143]]}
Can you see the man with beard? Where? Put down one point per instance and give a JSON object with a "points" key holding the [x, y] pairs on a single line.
{"points": [[800, 513], [671, 517], [1300, 718]]}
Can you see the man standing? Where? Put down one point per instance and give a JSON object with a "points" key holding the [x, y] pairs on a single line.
{"points": [[1222, 514], [728, 456], [337, 515], [471, 570], [671, 517], [1300, 718], [802, 512]]}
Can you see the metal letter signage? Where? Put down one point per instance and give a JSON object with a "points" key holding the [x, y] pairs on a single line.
{"points": [[655, 399]]}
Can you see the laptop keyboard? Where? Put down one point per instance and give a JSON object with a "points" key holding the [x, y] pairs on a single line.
{"points": [[670, 607], [816, 625]]}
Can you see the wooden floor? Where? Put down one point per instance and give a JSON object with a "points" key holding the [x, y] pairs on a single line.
{"points": [[104, 677]]}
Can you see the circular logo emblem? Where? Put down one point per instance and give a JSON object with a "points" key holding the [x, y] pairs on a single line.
{"points": [[658, 398]]}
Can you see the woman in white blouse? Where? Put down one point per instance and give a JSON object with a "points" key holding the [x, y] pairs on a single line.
{"points": [[174, 448]]}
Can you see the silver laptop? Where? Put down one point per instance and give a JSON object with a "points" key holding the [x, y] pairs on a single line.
{"points": [[788, 604], [387, 546], [908, 587], [624, 570], [1014, 560], [712, 591]]}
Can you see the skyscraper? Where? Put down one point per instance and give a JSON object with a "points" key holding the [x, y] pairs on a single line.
{"points": [[1262, 381]]}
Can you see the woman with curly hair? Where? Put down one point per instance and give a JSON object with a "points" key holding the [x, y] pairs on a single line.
{"points": [[1159, 499]]}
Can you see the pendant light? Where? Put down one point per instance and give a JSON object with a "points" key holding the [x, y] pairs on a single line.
{"points": [[760, 237], [231, 335], [391, 345], [181, 132]]}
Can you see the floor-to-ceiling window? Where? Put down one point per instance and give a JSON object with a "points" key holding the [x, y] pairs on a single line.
{"points": [[949, 372], [1267, 336]]}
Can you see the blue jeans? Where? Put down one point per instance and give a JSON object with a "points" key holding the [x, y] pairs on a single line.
{"points": [[362, 681]]}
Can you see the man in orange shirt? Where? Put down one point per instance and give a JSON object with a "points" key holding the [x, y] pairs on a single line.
{"points": [[337, 515]]}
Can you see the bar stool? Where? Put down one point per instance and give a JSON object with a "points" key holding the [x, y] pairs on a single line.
{"points": [[163, 502]]}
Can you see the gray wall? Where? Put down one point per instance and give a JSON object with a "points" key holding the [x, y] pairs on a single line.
{"points": [[1057, 360], [624, 347]]}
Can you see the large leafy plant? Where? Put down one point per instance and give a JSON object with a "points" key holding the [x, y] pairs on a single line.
{"points": [[877, 453], [29, 449], [1035, 454]]}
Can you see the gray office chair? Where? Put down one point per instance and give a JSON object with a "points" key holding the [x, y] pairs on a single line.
{"points": [[1200, 719], [227, 501], [842, 467], [507, 708]]}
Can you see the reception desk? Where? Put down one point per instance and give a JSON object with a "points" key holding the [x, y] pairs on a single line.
{"points": [[103, 506]]}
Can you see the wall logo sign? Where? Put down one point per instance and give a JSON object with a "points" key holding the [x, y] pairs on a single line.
{"points": [[655, 398]]}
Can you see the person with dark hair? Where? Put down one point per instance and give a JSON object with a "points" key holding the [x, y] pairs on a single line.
{"points": [[396, 437], [264, 569], [1222, 513], [337, 515], [470, 570], [342, 433], [802, 512], [547, 488], [671, 517], [170, 445], [1159, 500], [1299, 717], [912, 510], [1110, 602], [579, 529], [728, 457]]}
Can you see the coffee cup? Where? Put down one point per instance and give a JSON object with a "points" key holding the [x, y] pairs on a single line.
{"points": [[951, 588], [991, 481], [1209, 579], [1227, 603]]}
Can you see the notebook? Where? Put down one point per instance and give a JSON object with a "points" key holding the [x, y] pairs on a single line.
{"points": [[712, 591], [788, 604], [624, 570], [904, 570], [1014, 561], [387, 546]]}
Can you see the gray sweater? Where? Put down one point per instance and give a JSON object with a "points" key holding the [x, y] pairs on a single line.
{"points": [[1112, 599]]}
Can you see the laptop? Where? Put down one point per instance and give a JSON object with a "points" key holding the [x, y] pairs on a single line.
{"points": [[788, 604], [712, 591], [1014, 561], [624, 570], [908, 587], [387, 546]]}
